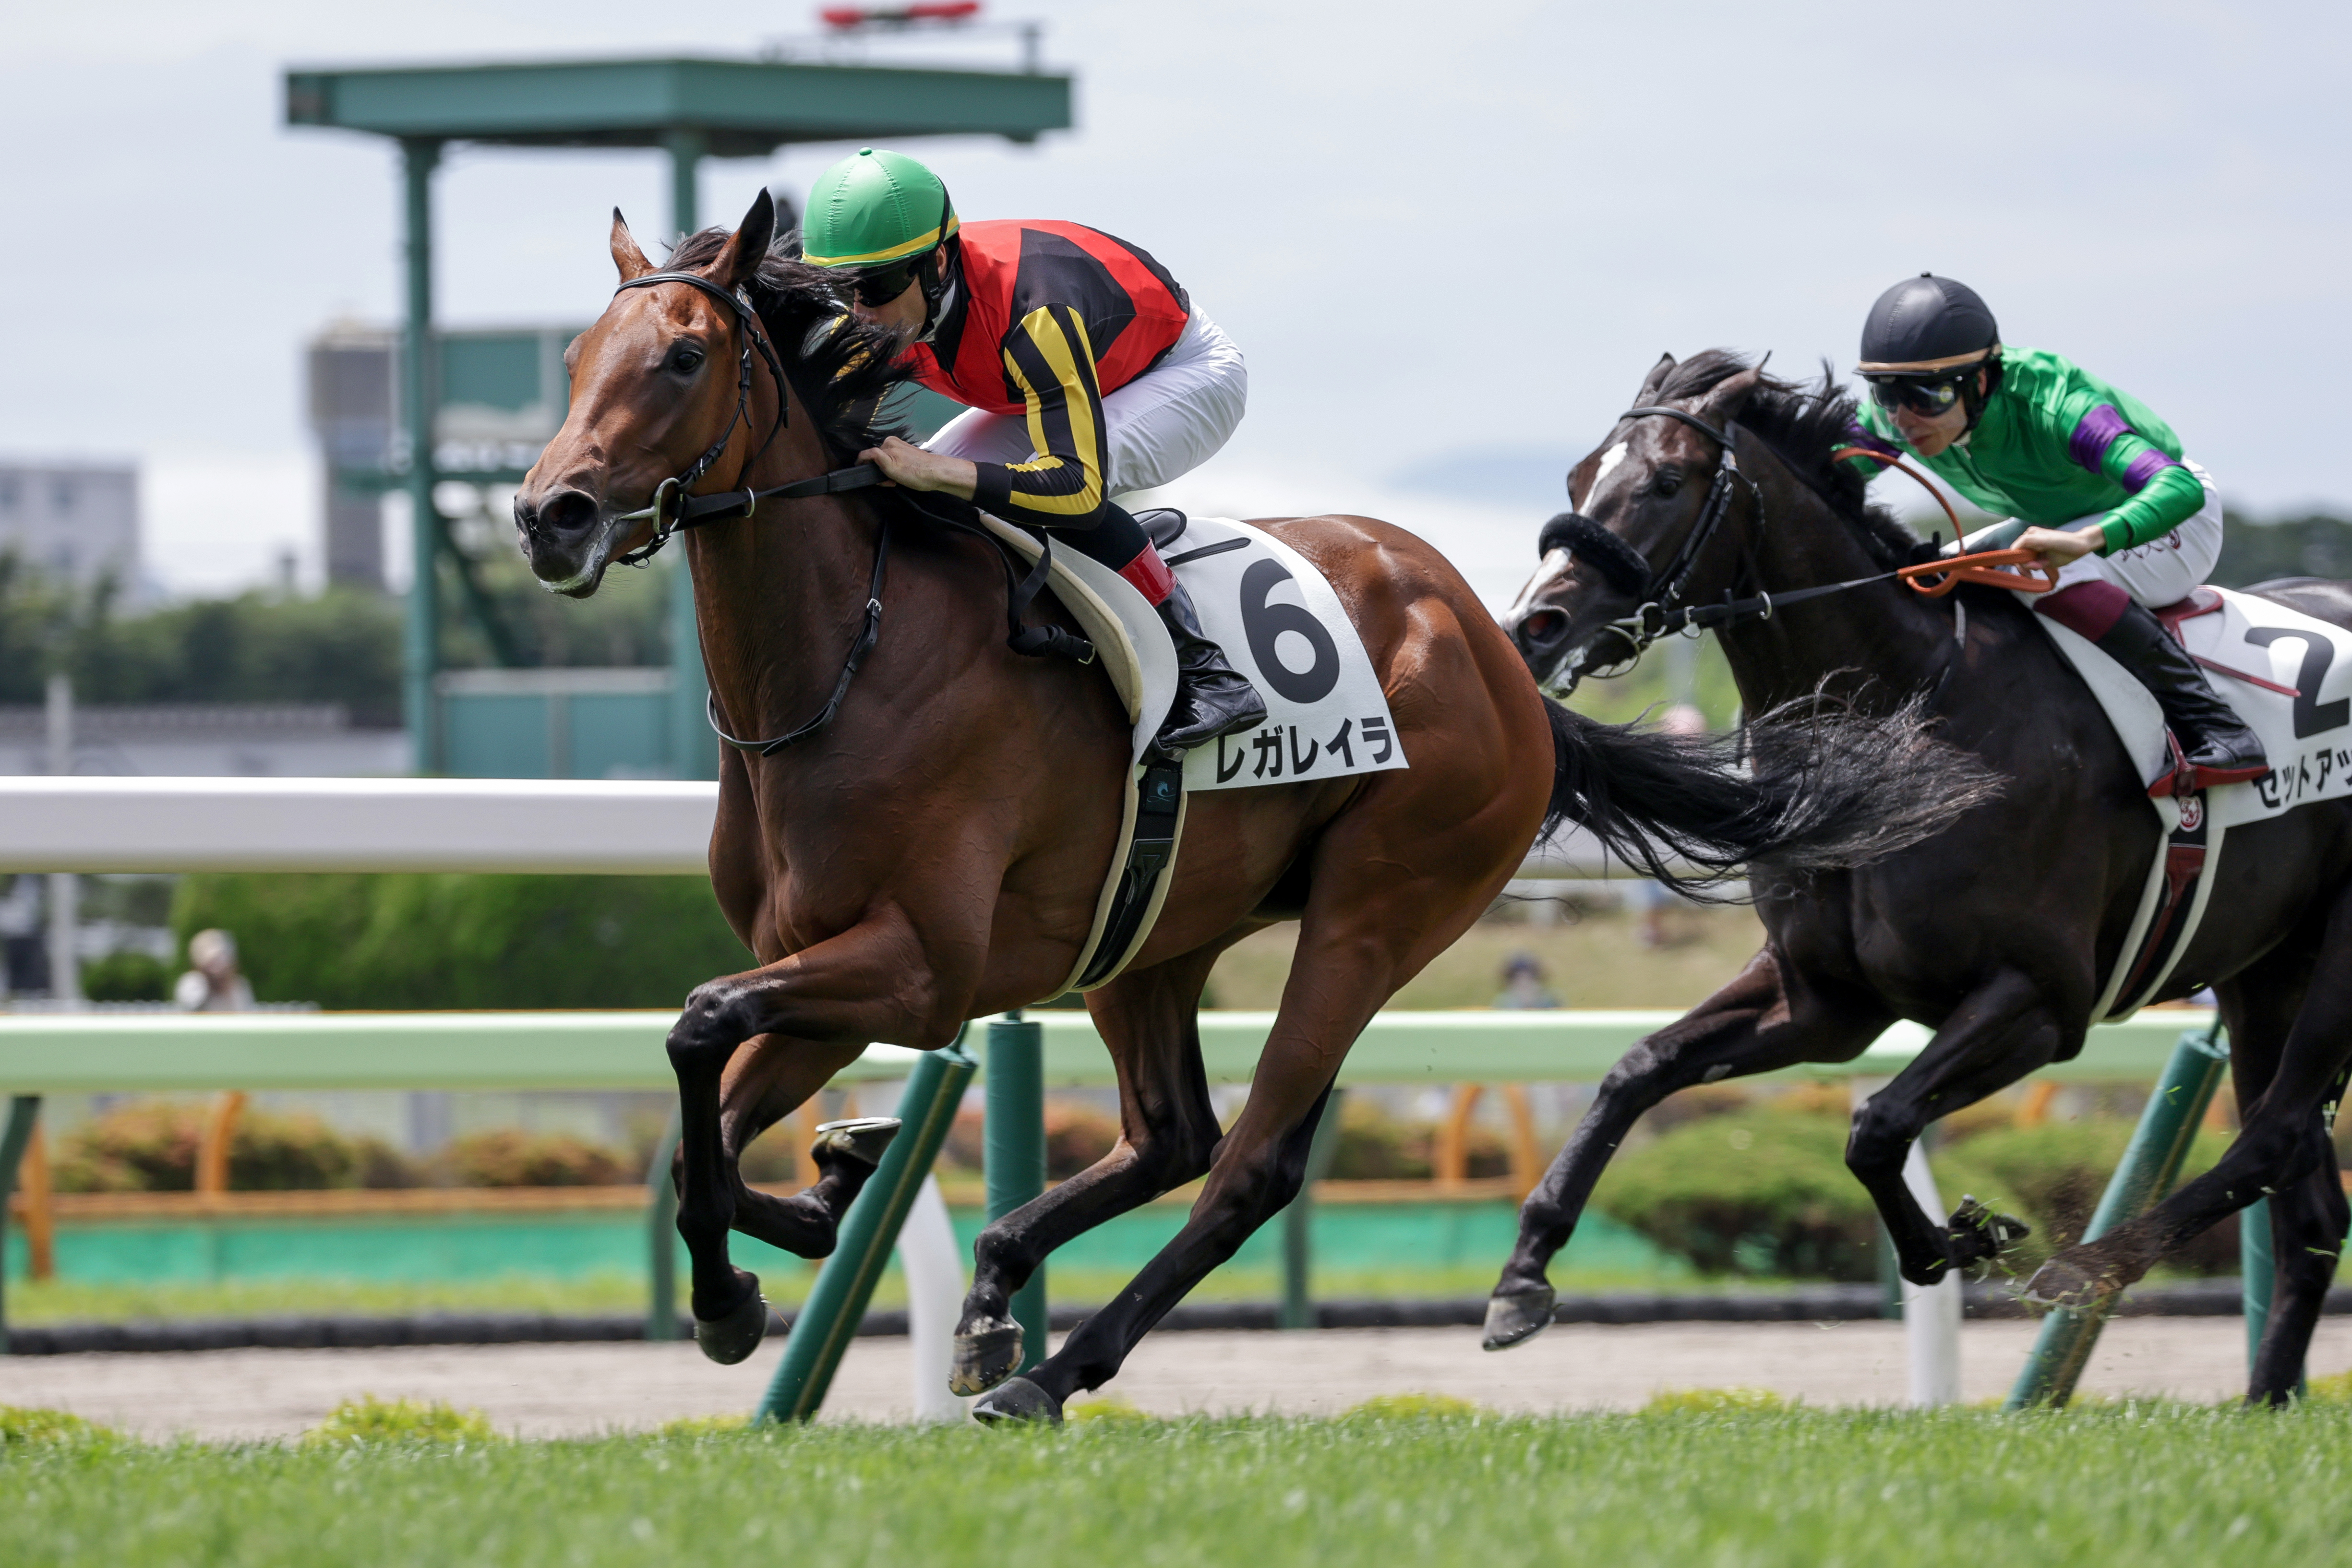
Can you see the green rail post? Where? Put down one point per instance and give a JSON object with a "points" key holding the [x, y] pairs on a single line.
{"points": [[419, 398], [2151, 1164], [822, 1331], [661, 1236], [1299, 1217], [2257, 1276], [1013, 1157], [23, 1112]]}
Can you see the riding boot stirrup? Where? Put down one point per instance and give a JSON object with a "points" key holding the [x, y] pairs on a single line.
{"points": [[1212, 698], [2216, 745]]}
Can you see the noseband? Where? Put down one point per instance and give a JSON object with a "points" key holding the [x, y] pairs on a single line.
{"points": [[1628, 572]]}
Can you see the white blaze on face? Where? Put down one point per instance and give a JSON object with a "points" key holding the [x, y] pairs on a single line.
{"points": [[1555, 563], [1609, 459], [1551, 569]]}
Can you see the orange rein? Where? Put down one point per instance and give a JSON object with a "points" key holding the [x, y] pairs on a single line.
{"points": [[1985, 567]]}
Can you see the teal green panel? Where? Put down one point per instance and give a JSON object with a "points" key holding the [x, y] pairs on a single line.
{"points": [[481, 1247], [494, 370], [496, 736], [619, 735]]}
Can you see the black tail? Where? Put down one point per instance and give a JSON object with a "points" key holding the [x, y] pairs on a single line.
{"points": [[1823, 786]]}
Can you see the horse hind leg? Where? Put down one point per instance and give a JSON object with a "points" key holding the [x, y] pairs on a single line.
{"points": [[2308, 1221], [1395, 880], [2289, 1018], [1749, 1026], [1168, 1133]]}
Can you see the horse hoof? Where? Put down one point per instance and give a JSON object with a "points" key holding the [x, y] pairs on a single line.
{"points": [[1976, 1233], [737, 1332], [1517, 1317], [986, 1358], [2059, 1283], [1019, 1401], [859, 1140]]}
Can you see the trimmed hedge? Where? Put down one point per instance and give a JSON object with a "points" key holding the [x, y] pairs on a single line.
{"points": [[411, 941], [1765, 1190], [1758, 1191]]}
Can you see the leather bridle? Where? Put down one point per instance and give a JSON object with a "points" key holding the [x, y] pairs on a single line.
{"points": [[674, 509], [1628, 572]]}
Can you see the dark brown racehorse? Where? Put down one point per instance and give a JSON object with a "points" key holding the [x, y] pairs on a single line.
{"points": [[1997, 934], [934, 853]]}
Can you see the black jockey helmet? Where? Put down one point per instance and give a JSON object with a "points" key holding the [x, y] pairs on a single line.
{"points": [[1923, 343]]}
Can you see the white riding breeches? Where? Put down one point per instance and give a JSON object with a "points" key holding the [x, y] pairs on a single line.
{"points": [[2163, 571], [1158, 427]]}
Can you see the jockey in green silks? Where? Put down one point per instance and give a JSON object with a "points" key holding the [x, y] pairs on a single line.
{"points": [[2094, 483]]}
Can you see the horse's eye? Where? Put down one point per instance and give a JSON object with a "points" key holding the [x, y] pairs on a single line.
{"points": [[686, 360], [1666, 483]]}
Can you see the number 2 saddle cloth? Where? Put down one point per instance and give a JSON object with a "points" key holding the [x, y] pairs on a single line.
{"points": [[1281, 625], [2290, 677]]}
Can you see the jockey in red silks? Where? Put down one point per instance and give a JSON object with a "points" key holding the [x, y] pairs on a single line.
{"points": [[1086, 370]]}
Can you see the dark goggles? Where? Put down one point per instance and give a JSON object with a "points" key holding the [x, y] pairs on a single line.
{"points": [[1930, 398], [879, 287]]}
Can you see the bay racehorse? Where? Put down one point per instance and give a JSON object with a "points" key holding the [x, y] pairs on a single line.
{"points": [[930, 847], [1999, 932]]}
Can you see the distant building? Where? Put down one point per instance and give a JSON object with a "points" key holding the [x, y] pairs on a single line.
{"points": [[352, 404], [74, 521], [502, 395]]}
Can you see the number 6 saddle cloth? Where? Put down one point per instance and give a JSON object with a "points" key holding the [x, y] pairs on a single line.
{"points": [[2290, 678], [1280, 624]]}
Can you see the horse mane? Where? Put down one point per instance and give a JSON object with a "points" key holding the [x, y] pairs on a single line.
{"points": [[1802, 425], [844, 369]]}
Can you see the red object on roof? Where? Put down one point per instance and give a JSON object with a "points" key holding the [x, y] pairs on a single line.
{"points": [[922, 11]]}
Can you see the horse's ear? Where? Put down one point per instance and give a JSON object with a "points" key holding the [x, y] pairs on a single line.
{"points": [[625, 254], [1723, 405], [747, 246], [1656, 378]]}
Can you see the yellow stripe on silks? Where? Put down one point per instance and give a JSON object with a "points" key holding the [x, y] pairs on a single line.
{"points": [[1078, 395], [915, 247]]}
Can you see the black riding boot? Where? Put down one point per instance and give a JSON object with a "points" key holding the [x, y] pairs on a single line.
{"points": [[2221, 749], [1212, 698]]}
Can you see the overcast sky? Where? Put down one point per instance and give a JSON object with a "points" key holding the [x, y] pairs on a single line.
{"points": [[1450, 239]]}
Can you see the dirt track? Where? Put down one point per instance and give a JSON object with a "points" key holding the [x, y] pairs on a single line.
{"points": [[552, 1390]]}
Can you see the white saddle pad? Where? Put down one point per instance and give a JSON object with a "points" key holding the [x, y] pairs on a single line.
{"points": [[2307, 737], [1282, 625]]}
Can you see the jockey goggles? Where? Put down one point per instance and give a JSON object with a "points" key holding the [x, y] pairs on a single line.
{"points": [[877, 288], [1919, 395]]}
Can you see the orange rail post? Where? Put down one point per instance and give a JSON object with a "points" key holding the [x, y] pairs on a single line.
{"points": [[212, 1143]]}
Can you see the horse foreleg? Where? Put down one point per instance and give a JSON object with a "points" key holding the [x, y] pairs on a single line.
{"points": [[770, 1078], [2000, 1033], [1748, 1027], [871, 982], [1168, 1136]]}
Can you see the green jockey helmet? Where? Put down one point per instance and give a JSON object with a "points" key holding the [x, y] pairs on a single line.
{"points": [[874, 209]]}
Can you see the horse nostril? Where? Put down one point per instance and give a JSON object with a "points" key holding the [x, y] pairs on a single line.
{"points": [[1540, 630], [564, 514]]}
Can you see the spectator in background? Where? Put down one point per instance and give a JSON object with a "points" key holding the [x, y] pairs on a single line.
{"points": [[213, 983], [1523, 984], [1647, 898]]}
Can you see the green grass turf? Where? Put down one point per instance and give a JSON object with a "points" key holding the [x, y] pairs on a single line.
{"points": [[71, 1301], [2131, 1484]]}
